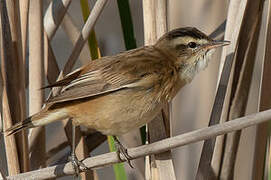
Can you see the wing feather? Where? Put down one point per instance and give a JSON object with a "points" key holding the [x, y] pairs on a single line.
{"points": [[110, 74]]}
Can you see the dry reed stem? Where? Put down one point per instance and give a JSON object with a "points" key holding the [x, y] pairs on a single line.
{"points": [[219, 31], [1, 93], [209, 153], [53, 151], [235, 15], [154, 148], [81, 40], [52, 19], [1, 100], [163, 161], [245, 60], [51, 67], [161, 18], [234, 19], [155, 25], [51, 71], [10, 142], [12, 111], [159, 128], [73, 33], [82, 152], [24, 10], [94, 140], [205, 169], [149, 21], [36, 75], [15, 27], [2, 173], [222, 97], [262, 133], [54, 15]]}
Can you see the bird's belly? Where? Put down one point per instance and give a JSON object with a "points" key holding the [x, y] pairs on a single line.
{"points": [[116, 113]]}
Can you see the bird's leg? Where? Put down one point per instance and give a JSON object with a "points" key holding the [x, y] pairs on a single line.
{"points": [[76, 164], [122, 150]]}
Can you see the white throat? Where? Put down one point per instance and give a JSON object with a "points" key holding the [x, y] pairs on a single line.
{"points": [[189, 72]]}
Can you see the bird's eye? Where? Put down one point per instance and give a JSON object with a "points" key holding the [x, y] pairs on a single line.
{"points": [[192, 45]]}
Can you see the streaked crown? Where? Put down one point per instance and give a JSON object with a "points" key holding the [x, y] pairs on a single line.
{"points": [[191, 49]]}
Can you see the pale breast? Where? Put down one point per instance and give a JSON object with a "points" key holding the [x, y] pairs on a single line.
{"points": [[116, 113]]}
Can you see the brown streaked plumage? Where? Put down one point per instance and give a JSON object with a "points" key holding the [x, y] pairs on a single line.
{"points": [[116, 94]]}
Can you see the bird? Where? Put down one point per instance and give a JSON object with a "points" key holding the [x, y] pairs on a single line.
{"points": [[119, 93]]}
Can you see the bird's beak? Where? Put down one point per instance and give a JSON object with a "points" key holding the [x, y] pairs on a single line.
{"points": [[215, 44]]}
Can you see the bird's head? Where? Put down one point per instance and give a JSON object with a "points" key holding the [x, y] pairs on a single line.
{"points": [[190, 48]]}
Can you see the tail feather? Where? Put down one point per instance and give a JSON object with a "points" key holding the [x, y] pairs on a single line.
{"points": [[40, 119], [27, 123]]}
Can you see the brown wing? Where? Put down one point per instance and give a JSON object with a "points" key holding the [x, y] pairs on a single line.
{"points": [[126, 70]]}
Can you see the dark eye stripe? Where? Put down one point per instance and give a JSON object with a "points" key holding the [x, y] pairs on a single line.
{"points": [[185, 46], [181, 46]]}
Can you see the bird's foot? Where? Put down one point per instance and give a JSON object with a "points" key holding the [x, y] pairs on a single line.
{"points": [[121, 150], [77, 165]]}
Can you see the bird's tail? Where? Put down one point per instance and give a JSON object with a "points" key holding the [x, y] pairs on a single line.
{"points": [[39, 119]]}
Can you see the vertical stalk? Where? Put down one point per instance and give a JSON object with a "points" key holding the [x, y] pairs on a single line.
{"points": [[262, 132], [24, 9], [8, 65], [127, 24], [92, 41], [210, 161], [15, 27], [149, 22], [245, 60], [161, 18], [155, 25], [36, 73], [149, 39]]}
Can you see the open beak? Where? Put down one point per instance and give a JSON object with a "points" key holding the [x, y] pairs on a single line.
{"points": [[215, 44]]}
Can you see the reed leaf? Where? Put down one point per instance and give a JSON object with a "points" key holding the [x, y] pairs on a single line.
{"points": [[119, 170], [92, 41]]}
